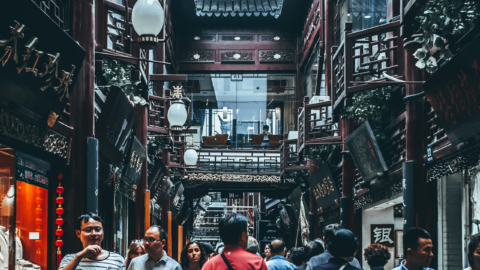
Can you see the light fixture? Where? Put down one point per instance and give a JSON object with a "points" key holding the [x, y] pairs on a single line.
{"points": [[196, 38], [367, 16], [278, 112], [196, 56], [190, 156], [177, 114], [207, 199], [225, 113], [237, 56], [277, 56], [237, 38], [276, 38], [147, 19]]}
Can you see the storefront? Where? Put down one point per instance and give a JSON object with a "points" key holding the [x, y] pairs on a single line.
{"points": [[40, 65]]}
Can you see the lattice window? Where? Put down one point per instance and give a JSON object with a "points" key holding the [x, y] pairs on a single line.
{"points": [[435, 131], [55, 9], [115, 31]]}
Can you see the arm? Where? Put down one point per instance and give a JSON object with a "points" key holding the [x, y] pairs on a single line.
{"points": [[90, 250]]}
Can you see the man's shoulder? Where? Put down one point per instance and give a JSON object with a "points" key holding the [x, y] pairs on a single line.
{"points": [[139, 259]]}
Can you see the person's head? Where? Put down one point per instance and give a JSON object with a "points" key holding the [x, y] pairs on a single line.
{"points": [[329, 233], [313, 248], [89, 228], [252, 245], [277, 247], [136, 249], [377, 255], [208, 248], [417, 247], [234, 230], [474, 252], [192, 253], [267, 252], [155, 239], [265, 128], [297, 256], [343, 245]]}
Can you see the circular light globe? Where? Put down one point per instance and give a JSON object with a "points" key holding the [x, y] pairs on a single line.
{"points": [[190, 157], [148, 17], [177, 115], [207, 199]]}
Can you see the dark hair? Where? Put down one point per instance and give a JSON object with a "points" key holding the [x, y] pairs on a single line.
{"points": [[297, 256], [329, 233], [231, 228], [472, 246], [344, 244], [184, 262], [207, 247], [163, 234], [85, 218], [266, 127], [377, 255], [411, 238], [277, 249], [313, 248]]}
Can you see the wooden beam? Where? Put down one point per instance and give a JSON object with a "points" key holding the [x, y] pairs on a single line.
{"points": [[169, 244], [180, 241], [168, 77]]}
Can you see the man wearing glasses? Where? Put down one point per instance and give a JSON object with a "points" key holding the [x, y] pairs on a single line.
{"points": [[156, 257], [89, 228]]}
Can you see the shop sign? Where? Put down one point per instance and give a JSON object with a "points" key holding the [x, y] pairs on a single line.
{"points": [[365, 152], [39, 62], [383, 234], [454, 93], [232, 195], [157, 176], [177, 200], [429, 152], [25, 131], [31, 170], [165, 191], [324, 188], [134, 164], [115, 126]]}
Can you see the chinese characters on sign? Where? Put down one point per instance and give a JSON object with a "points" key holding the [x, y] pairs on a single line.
{"points": [[383, 234], [31, 170], [324, 187]]}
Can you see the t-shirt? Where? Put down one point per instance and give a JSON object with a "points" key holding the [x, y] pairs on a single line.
{"points": [[113, 261], [238, 258]]}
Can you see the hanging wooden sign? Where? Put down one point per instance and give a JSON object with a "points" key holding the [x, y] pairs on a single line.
{"points": [[134, 164], [324, 188]]}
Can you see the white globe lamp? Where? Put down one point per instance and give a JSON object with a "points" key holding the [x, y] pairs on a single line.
{"points": [[207, 199], [177, 115], [147, 19], [190, 157]]}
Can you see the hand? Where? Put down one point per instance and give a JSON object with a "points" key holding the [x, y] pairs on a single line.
{"points": [[90, 251]]}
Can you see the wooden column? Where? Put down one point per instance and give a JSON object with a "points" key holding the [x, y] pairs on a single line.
{"points": [[169, 242], [82, 118], [180, 242], [141, 134], [348, 169]]}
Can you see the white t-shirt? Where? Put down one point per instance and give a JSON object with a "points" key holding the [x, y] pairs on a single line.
{"points": [[113, 261]]}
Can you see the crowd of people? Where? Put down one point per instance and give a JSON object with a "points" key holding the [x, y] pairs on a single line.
{"points": [[336, 251]]}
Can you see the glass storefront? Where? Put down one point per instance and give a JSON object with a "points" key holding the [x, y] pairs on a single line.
{"points": [[24, 186], [241, 105]]}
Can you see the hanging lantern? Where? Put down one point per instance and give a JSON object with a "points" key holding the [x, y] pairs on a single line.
{"points": [[190, 157], [147, 19], [59, 221], [177, 115]]}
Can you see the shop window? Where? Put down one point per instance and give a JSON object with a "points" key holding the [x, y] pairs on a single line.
{"points": [[24, 210], [362, 13]]}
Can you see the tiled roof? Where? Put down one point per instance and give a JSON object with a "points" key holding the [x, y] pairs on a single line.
{"points": [[239, 7]]}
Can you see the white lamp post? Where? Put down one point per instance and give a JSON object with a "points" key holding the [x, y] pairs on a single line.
{"points": [[147, 19]]}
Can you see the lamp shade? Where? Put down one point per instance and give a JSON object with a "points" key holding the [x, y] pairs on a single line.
{"points": [[177, 115], [207, 199], [190, 157], [148, 17]]}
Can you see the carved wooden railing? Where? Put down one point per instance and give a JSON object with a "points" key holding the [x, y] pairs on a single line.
{"points": [[301, 130], [157, 114], [363, 59], [238, 161], [319, 125], [175, 156], [435, 132], [290, 159]]}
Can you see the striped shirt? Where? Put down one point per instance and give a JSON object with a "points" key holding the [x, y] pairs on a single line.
{"points": [[113, 261], [144, 262]]}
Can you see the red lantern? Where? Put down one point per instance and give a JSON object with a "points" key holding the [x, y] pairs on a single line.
{"points": [[59, 232], [59, 211], [59, 200], [60, 176], [60, 189], [38, 211], [38, 221], [38, 200], [38, 243], [59, 243], [59, 221]]}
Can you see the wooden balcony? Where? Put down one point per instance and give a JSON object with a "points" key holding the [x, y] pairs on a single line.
{"points": [[157, 114], [364, 59], [290, 159]]}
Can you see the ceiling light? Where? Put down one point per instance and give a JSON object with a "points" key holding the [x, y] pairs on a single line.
{"points": [[276, 38], [237, 38], [391, 203], [237, 56], [368, 17], [277, 56], [197, 38], [196, 56]]}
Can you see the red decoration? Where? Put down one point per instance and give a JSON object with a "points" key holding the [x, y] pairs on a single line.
{"points": [[59, 221], [38, 221], [60, 189], [38, 200], [59, 232], [60, 176], [59, 200], [38, 211], [59, 243], [38, 243], [59, 211]]}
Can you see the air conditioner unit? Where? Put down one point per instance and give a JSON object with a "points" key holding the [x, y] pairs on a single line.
{"points": [[318, 99]]}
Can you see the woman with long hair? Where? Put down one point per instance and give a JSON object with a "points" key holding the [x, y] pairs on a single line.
{"points": [[193, 256], [136, 249], [474, 252], [267, 253]]}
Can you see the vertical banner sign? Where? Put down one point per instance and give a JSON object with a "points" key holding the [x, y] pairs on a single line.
{"points": [[408, 195], [177, 201], [116, 124], [134, 163], [92, 176]]}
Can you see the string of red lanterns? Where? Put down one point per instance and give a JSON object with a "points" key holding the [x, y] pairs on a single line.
{"points": [[59, 221]]}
